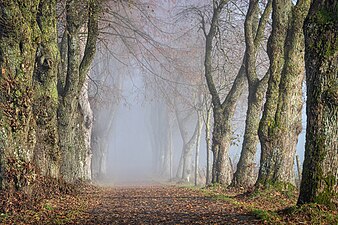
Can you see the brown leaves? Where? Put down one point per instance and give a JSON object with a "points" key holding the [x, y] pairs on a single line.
{"points": [[157, 205], [134, 205]]}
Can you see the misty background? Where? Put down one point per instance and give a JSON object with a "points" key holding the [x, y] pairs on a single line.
{"points": [[142, 86]]}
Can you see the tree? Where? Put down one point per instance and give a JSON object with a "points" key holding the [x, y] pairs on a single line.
{"points": [[73, 73], [105, 97], [320, 169], [39, 100], [160, 128], [222, 111], [207, 124], [185, 169], [281, 120], [28, 61], [254, 33]]}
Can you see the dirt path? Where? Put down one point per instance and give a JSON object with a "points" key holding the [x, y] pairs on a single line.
{"points": [[160, 205], [134, 205]]}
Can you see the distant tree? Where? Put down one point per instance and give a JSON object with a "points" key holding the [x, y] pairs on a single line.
{"points": [[160, 129], [281, 120], [320, 170], [105, 96], [185, 170]]}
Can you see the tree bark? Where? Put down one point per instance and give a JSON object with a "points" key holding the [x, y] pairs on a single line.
{"points": [[281, 121], [222, 111], [221, 140], [208, 143], [28, 63], [72, 124], [245, 174], [198, 140], [320, 168]]}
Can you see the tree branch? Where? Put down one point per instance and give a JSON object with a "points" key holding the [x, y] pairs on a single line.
{"points": [[90, 48]]}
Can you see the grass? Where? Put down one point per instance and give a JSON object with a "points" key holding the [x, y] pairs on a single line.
{"points": [[3, 216], [313, 213], [48, 207], [275, 205], [267, 216]]}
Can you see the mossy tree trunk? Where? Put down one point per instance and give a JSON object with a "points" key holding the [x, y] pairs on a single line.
{"points": [[320, 170], [73, 72], [47, 153], [28, 93], [254, 32], [39, 120], [281, 121]]}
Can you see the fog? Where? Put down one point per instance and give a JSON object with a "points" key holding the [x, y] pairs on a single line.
{"points": [[130, 155], [130, 158], [148, 93]]}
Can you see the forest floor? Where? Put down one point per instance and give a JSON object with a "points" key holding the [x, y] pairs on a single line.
{"points": [[170, 204]]}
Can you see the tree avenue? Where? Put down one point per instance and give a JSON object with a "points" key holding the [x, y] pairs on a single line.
{"points": [[59, 100]]}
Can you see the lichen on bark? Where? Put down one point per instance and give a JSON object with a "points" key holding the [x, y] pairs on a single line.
{"points": [[281, 120], [21, 36], [320, 171]]}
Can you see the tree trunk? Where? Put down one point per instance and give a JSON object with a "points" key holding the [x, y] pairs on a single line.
{"points": [[166, 145], [208, 143], [99, 147], [72, 122], [198, 140], [102, 131], [222, 111], [187, 172], [245, 175], [320, 168], [185, 167], [281, 121], [28, 68], [160, 129], [221, 140]]}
